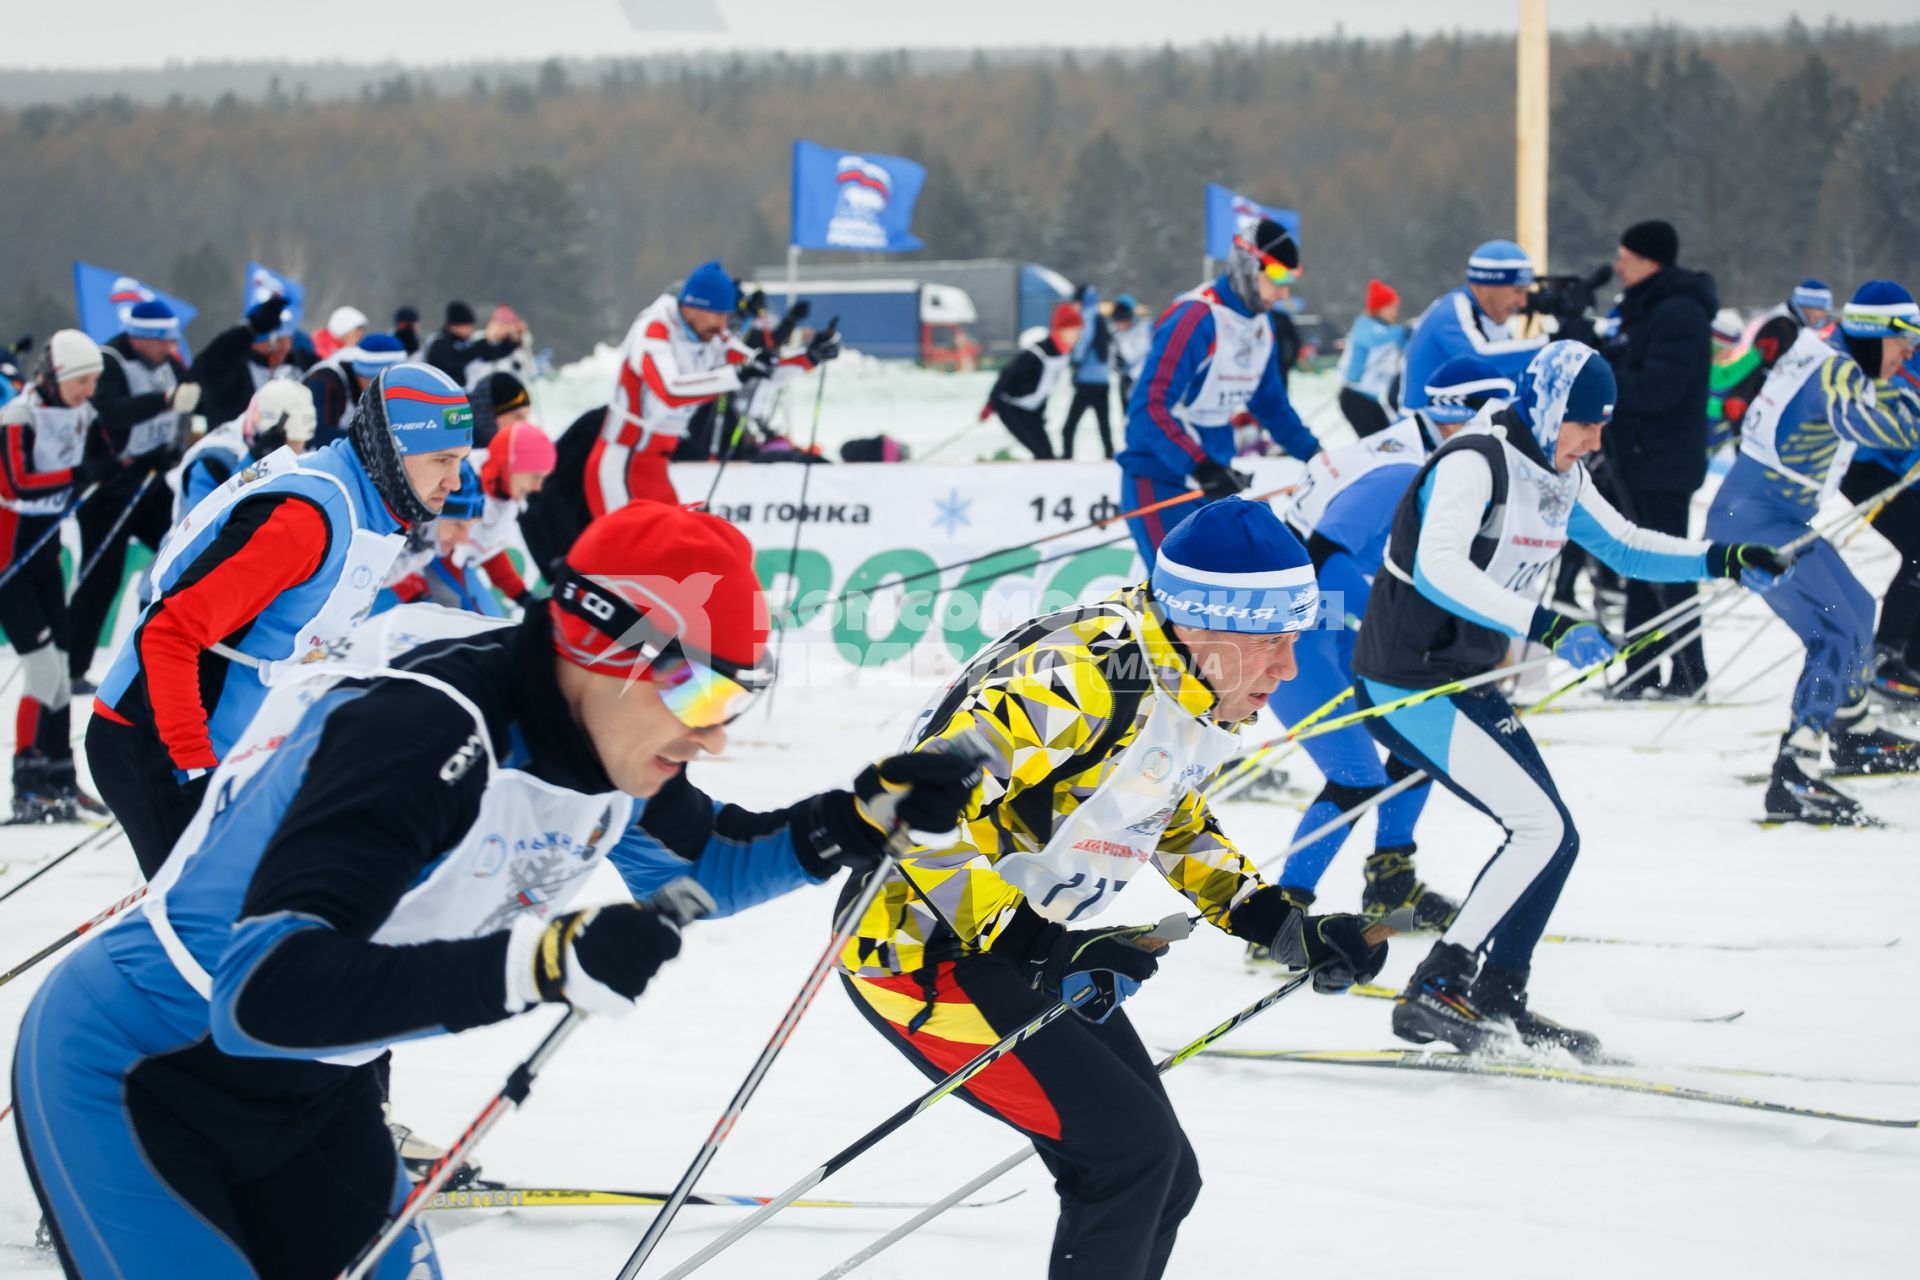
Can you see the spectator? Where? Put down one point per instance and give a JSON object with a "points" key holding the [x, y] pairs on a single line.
{"points": [[241, 360], [456, 352], [1656, 444], [345, 327], [1480, 318], [1090, 360], [1132, 339], [1376, 348], [1020, 393], [406, 327]]}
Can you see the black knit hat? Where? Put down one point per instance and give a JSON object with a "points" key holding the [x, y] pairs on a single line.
{"points": [[460, 313], [1653, 240]]}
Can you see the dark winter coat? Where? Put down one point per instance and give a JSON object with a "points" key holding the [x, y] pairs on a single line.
{"points": [[1657, 442]]}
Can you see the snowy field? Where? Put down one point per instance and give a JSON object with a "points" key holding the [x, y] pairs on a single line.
{"points": [[1310, 1170]]}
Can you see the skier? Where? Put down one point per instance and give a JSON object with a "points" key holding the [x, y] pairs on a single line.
{"points": [[1810, 306], [1896, 638], [518, 463], [499, 400], [337, 384], [1478, 318], [1091, 358], [1132, 338], [1376, 347], [240, 360], [1100, 723], [1343, 512], [403, 846], [279, 415], [265, 573], [45, 460], [1479, 523], [1821, 401], [345, 327], [436, 564], [1019, 394], [677, 356], [1212, 358], [143, 394]]}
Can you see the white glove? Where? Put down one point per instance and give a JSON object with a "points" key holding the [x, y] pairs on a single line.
{"points": [[185, 397]]}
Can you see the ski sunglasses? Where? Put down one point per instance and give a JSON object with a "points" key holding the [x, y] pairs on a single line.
{"points": [[1270, 266], [701, 691]]}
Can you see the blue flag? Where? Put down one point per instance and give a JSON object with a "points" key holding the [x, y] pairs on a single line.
{"points": [[263, 282], [103, 298], [1229, 213], [853, 200]]}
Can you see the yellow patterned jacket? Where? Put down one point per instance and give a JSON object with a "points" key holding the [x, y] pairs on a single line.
{"points": [[1041, 700]]}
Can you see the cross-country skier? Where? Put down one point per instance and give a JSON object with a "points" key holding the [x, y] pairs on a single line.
{"points": [[1822, 401], [1100, 723], [1132, 339], [1019, 395], [1343, 512], [406, 850], [519, 460], [268, 571], [679, 355], [1370, 364], [280, 415], [339, 383], [1477, 319], [45, 461], [143, 398], [1212, 359], [1896, 637], [242, 359], [1481, 521]]}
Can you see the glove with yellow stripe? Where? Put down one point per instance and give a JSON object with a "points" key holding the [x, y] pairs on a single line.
{"points": [[924, 792], [599, 960]]}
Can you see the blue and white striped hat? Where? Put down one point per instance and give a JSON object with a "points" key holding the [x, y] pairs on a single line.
{"points": [[1812, 293], [377, 351], [1460, 387], [1499, 262], [1234, 566], [1880, 309], [153, 319]]}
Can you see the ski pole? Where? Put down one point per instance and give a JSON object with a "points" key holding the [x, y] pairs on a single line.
{"points": [[1373, 935], [893, 1123], [99, 834], [52, 531], [682, 901], [114, 531], [73, 934], [1230, 783], [800, 520], [882, 807]]}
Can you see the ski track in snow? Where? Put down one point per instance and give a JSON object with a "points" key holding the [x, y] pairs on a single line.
{"points": [[1307, 1170]]}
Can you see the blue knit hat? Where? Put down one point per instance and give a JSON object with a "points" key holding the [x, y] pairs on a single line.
{"points": [[1880, 309], [153, 319], [1459, 388], [1499, 262], [469, 500], [377, 351], [1234, 566], [1812, 293], [710, 288]]}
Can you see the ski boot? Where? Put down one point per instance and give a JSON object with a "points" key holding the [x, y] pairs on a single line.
{"points": [[1892, 678], [1797, 792], [37, 793], [1268, 786], [1437, 1004], [1259, 955], [1502, 993], [419, 1156], [1862, 746], [1394, 889]]}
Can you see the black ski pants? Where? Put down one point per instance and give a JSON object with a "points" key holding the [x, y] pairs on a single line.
{"points": [[134, 775], [1363, 412], [1029, 427], [1664, 512], [1086, 1093], [1899, 523], [1094, 396], [148, 519]]}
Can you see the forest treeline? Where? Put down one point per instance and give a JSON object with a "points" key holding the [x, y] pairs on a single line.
{"points": [[576, 197]]}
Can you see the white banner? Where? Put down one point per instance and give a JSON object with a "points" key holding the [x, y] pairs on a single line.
{"points": [[913, 568]]}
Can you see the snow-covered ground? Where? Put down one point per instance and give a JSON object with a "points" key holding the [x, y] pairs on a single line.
{"points": [[1310, 1170]]}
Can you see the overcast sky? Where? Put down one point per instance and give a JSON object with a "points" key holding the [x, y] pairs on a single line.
{"points": [[140, 33]]}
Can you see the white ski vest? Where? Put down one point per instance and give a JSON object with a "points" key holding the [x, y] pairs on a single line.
{"points": [[1760, 429], [1332, 471], [163, 428], [1242, 350], [1051, 367], [225, 438], [59, 443]]}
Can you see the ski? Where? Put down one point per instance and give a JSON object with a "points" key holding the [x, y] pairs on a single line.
{"points": [[1596, 940], [1511, 1069], [1373, 991], [483, 1194]]}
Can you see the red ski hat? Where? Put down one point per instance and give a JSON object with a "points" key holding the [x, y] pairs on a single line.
{"points": [[1065, 316], [653, 572], [1380, 295]]}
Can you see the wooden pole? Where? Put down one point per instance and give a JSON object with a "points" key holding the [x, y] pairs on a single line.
{"points": [[1530, 132]]}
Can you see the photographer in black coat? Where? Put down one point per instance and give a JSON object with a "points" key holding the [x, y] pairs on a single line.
{"points": [[1656, 444]]}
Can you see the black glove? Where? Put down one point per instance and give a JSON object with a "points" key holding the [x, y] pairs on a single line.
{"points": [[753, 304], [1333, 946], [758, 365], [1093, 970], [1217, 481], [601, 959], [922, 791], [825, 346], [1755, 566], [96, 468], [799, 311], [264, 317]]}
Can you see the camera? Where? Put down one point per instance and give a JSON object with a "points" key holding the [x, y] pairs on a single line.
{"points": [[1566, 297]]}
